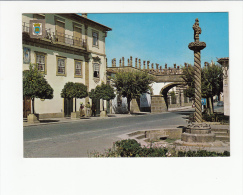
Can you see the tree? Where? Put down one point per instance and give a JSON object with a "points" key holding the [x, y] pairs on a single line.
{"points": [[211, 82], [132, 84], [74, 90], [35, 85], [188, 77], [103, 91]]}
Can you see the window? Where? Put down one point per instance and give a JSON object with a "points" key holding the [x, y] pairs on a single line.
{"points": [[61, 65], [41, 62], [95, 38], [96, 70], [78, 68]]}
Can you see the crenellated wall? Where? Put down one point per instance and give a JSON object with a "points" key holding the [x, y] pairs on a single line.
{"points": [[166, 81]]}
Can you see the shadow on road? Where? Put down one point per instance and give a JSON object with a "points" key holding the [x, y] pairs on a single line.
{"points": [[138, 113], [48, 121]]}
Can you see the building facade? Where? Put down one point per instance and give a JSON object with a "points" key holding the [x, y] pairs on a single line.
{"points": [[71, 49], [226, 83]]}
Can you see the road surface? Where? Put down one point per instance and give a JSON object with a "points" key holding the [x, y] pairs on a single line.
{"points": [[78, 139]]}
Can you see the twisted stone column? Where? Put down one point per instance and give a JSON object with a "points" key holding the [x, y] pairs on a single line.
{"points": [[197, 46], [197, 132], [197, 76]]}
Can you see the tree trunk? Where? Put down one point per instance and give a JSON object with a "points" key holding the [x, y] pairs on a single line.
{"points": [[33, 108], [128, 105], [75, 105], [212, 104]]}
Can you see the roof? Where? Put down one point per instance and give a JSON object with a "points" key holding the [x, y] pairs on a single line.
{"points": [[87, 19]]}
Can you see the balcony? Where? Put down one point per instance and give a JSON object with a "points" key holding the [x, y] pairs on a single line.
{"points": [[57, 37]]}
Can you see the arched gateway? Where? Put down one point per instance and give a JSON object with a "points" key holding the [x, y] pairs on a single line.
{"points": [[167, 90]]}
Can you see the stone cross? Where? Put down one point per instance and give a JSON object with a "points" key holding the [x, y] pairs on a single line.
{"points": [[197, 30]]}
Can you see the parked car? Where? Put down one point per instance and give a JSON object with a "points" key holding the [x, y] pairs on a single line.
{"points": [[220, 103]]}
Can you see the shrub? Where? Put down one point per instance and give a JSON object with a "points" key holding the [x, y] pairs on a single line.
{"points": [[201, 153], [127, 148], [216, 117], [131, 148]]}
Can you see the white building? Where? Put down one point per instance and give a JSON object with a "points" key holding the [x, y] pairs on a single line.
{"points": [[72, 50], [226, 83]]}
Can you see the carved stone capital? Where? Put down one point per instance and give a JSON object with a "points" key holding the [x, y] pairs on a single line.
{"points": [[197, 46]]}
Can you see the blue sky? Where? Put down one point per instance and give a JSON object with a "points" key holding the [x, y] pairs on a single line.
{"points": [[164, 37]]}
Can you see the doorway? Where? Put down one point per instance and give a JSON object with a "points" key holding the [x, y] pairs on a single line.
{"points": [[68, 107], [26, 106]]}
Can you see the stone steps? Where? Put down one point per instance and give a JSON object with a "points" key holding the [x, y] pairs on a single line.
{"points": [[220, 131], [25, 120], [222, 138], [222, 134]]}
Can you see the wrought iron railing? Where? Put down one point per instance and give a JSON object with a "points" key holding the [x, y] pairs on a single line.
{"points": [[59, 37]]}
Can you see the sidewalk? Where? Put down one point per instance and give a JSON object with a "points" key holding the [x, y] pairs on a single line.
{"points": [[180, 108], [49, 121]]}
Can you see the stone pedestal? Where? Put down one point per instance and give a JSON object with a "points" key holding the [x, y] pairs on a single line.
{"points": [[32, 118], [75, 115], [158, 104], [103, 114], [134, 106], [198, 133]]}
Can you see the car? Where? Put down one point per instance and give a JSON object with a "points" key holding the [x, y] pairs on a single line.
{"points": [[220, 103]]}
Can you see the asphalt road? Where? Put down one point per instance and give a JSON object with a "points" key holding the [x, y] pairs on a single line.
{"points": [[78, 139]]}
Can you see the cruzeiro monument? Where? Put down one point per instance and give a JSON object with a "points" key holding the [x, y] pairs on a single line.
{"points": [[197, 132]]}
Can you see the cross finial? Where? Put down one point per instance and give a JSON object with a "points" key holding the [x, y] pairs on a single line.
{"points": [[197, 30]]}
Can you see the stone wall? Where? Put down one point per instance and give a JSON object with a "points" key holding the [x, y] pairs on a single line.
{"points": [[51, 115], [158, 104], [164, 133], [134, 106]]}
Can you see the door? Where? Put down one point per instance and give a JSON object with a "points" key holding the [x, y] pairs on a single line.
{"points": [[77, 36], [26, 106], [60, 31], [97, 105], [68, 107]]}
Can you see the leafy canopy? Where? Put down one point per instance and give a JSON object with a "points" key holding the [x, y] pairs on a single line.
{"points": [[103, 91], [211, 80], [35, 85], [74, 90], [132, 84]]}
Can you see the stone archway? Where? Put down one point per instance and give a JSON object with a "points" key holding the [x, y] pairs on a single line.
{"points": [[159, 103]]}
